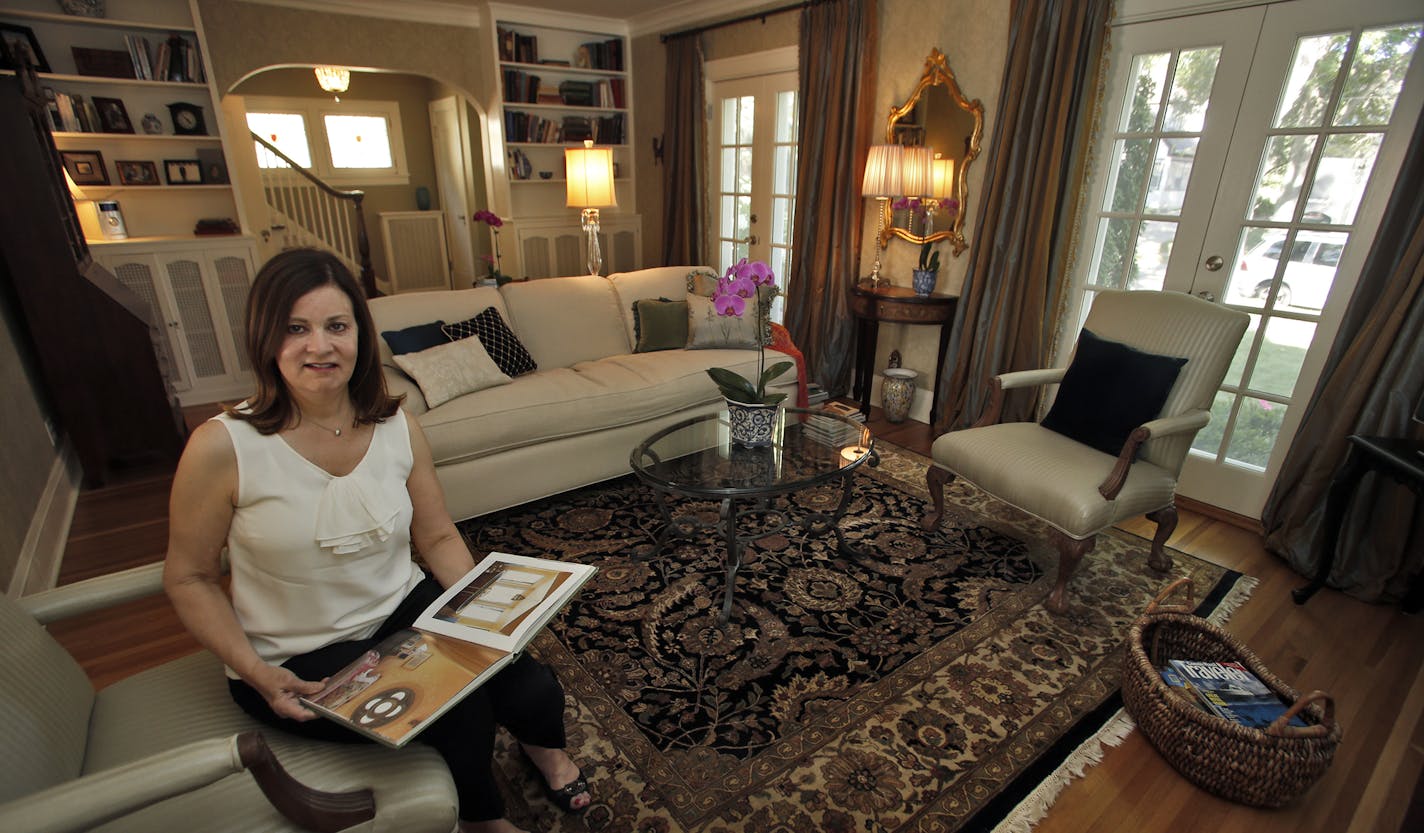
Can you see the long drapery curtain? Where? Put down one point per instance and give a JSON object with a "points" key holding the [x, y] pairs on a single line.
{"points": [[837, 101], [1371, 382], [1016, 274], [682, 153]]}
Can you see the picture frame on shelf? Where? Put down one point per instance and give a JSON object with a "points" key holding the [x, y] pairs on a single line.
{"points": [[137, 172], [214, 166], [183, 171], [85, 167], [102, 63], [113, 115], [20, 48]]}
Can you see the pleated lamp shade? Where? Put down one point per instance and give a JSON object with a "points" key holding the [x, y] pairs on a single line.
{"points": [[882, 171], [917, 172]]}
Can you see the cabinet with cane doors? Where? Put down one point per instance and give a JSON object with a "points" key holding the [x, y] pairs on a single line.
{"points": [[198, 292]]}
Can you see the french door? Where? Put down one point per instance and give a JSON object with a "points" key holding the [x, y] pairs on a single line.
{"points": [[1246, 156], [753, 165]]}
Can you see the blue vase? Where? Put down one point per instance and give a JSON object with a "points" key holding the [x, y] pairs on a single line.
{"points": [[422, 198], [924, 281]]}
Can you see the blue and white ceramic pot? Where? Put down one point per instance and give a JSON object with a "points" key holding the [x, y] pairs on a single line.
{"points": [[924, 281], [751, 424]]}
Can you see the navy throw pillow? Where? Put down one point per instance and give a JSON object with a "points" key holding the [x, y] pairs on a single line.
{"points": [[499, 341], [417, 338], [1108, 390]]}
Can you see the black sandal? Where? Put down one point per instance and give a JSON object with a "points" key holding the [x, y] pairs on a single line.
{"points": [[564, 796]]}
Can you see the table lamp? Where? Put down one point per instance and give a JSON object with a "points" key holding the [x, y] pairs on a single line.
{"points": [[882, 181], [590, 187], [941, 187]]}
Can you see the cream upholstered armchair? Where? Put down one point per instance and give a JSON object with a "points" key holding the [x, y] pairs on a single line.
{"points": [[1140, 386], [166, 749]]}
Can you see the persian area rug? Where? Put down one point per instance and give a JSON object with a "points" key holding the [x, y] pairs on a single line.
{"points": [[922, 687]]}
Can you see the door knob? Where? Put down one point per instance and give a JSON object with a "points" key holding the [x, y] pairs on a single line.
{"points": [[750, 239], [1214, 263]]}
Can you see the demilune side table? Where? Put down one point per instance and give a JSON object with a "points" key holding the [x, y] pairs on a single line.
{"points": [[899, 305], [697, 459]]}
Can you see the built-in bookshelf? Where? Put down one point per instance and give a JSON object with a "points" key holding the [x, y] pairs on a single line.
{"points": [[131, 109], [560, 85]]}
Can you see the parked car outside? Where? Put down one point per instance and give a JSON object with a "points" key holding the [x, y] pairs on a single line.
{"points": [[1309, 275]]}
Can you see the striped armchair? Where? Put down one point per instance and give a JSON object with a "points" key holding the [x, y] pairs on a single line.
{"points": [[1079, 490], [167, 749]]}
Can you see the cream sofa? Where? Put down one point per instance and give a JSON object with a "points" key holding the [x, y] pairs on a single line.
{"points": [[576, 419]]}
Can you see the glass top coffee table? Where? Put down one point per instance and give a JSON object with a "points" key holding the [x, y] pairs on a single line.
{"points": [[697, 459]]}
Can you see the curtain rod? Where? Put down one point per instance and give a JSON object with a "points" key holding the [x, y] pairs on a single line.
{"points": [[762, 16]]}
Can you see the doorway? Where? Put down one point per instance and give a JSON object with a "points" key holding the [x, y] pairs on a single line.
{"points": [[754, 154], [1246, 157]]}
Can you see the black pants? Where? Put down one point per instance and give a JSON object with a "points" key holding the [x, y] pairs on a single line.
{"points": [[525, 698]]}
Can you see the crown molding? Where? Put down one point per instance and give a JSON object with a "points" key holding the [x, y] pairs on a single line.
{"points": [[417, 11], [536, 16]]}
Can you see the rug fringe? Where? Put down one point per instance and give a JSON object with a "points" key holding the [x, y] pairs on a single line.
{"points": [[1034, 807], [1233, 600]]}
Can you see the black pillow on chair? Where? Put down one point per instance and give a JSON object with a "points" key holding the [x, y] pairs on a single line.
{"points": [[1108, 390]]}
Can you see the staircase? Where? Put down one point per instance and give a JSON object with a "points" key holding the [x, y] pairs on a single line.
{"points": [[304, 211]]}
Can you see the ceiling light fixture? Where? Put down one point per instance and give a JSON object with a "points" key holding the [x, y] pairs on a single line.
{"points": [[333, 79]]}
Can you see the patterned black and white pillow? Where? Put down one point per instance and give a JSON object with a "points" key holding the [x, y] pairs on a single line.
{"points": [[499, 341]]}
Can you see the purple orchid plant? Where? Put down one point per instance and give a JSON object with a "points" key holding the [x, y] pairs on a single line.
{"points": [[743, 281], [492, 219]]}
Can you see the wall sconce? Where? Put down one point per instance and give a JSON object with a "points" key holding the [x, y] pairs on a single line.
{"points": [[333, 79], [883, 175], [589, 181]]}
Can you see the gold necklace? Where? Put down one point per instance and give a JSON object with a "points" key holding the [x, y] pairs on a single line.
{"points": [[335, 431]]}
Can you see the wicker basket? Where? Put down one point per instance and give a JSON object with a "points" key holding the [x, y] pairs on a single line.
{"points": [[1262, 767]]}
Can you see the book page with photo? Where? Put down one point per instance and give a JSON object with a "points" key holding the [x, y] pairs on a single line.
{"points": [[475, 628]]}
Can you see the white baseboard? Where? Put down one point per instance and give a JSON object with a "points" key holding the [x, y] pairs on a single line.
{"points": [[43, 549]]}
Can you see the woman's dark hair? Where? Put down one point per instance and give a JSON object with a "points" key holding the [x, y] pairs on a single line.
{"points": [[275, 291]]}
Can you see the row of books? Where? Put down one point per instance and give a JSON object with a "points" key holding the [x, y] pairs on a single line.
{"points": [[528, 127], [606, 93], [519, 48], [176, 59], [72, 113], [605, 54], [1226, 689]]}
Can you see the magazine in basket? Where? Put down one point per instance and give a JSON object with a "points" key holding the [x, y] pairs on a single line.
{"points": [[476, 627], [1229, 690]]}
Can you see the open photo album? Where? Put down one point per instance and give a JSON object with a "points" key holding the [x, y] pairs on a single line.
{"points": [[476, 627]]}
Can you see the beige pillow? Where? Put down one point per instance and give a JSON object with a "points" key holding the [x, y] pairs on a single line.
{"points": [[452, 370], [706, 329]]}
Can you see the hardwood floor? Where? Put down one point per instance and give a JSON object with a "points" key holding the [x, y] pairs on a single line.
{"points": [[1369, 658]]}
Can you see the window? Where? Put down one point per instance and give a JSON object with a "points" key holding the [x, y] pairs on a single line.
{"points": [[344, 143]]}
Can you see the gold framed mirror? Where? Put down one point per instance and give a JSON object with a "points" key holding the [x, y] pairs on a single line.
{"points": [[938, 116]]}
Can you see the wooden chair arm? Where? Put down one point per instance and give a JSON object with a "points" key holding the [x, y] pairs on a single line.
{"points": [[1190, 421], [1118, 476], [1015, 379], [91, 800], [308, 808]]}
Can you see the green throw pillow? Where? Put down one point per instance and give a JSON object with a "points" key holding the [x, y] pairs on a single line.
{"points": [[706, 329], [659, 324]]}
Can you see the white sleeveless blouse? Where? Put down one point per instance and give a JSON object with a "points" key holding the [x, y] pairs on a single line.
{"points": [[316, 558]]}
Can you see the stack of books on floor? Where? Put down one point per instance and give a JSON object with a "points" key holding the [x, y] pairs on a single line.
{"points": [[815, 394], [849, 411], [833, 432]]}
